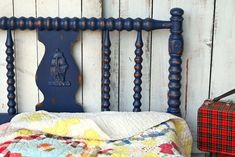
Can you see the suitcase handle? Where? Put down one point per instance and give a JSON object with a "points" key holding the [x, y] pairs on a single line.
{"points": [[224, 95]]}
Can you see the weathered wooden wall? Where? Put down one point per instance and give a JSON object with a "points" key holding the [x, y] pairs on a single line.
{"points": [[208, 58], [29, 51], [198, 34]]}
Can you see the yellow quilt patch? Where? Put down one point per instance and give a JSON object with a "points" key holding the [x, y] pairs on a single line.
{"points": [[45, 122], [38, 116], [150, 143], [24, 132], [62, 126], [149, 154]]}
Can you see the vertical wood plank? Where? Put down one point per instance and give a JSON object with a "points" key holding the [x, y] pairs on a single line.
{"points": [[196, 58], [92, 59], [222, 76], [73, 8], [134, 9], [26, 59], [6, 9], [111, 9], [45, 8]]}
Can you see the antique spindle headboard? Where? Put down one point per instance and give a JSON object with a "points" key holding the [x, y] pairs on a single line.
{"points": [[57, 75]]}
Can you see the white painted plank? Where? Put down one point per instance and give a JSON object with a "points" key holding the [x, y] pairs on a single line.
{"points": [[71, 9], [223, 64], [197, 52], [92, 59], [134, 9], [159, 60], [111, 9], [26, 59], [6, 9], [45, 8]]}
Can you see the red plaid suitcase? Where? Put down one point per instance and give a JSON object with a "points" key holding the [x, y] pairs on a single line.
{"points": [[216, 126]]}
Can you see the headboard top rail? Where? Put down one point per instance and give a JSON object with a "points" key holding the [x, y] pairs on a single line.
{"points": [[84, 23]]}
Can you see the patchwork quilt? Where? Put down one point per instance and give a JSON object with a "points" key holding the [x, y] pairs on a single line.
{"points": [[43, 134]]}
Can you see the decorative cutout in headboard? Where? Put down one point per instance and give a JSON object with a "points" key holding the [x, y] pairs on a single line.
{"points": [[58, 75]]}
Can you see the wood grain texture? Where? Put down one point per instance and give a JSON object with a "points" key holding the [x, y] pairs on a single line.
{"points": [[26, 59], [45, 8], [197, 26], [134, 9], [111, 9], [72, 8], [92, 59], [6, 8], [223, 51]]}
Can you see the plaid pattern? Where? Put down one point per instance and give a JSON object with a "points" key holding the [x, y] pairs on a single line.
{"points": [[216, 127], [223, 155]]}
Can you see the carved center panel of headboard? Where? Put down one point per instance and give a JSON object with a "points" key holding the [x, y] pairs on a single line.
{"points": [[58, 69], [58, 75]]}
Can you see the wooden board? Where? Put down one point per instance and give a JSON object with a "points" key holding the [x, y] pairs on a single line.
{"points": [[197, 34], [196, 60], [72, 8], [159, 60], [223, 61], [6, 9], [26, 59], [45, 8], [127, 48], [111, 9], [91, 48]]}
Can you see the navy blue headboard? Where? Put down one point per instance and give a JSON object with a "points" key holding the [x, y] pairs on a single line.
{"points": [[57, 75]]}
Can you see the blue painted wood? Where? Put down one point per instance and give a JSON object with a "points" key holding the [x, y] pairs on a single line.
{"points": [[175, 52], [5, 117], [106, 72], [58, 75], [138, 74], [76, 24], [10, 74]]}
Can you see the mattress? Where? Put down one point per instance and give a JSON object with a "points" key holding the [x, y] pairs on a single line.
{"points": [[115, 134]]}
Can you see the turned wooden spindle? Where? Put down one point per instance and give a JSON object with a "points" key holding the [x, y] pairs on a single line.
{"points": [[106, 72], [10, 74], [138, 74]]}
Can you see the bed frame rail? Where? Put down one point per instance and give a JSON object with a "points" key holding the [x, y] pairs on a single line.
{"points": [[105, 25]]}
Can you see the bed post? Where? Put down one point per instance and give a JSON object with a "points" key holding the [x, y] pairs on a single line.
{"points": [[175, 52], [10, 74]]}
